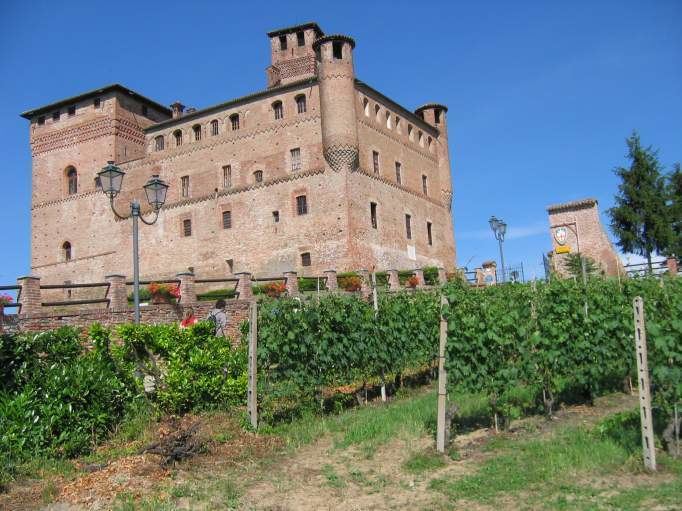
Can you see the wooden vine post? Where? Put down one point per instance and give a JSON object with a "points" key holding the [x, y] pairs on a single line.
{"points": [[251, 396], [644, 387], [376, 312], [442, 380]]}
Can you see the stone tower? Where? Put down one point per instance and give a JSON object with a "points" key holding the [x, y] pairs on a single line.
{"points": [[435, 115], [334, 54]]}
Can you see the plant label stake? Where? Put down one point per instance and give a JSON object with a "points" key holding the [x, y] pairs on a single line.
{"points": [[644, 388], [251, 396], [442, 379]]}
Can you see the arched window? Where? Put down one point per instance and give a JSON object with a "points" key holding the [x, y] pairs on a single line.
{"points": [[72, 180], [214, 127], [300, 104], [177, 134], [429, 140], [397, 124], [278, 109], [196, 129], [421, 139], [66, 251], [258, 176], [365, 106], [410, 132], [376, 112], [388, 121], [158, 143], [234, 120]]}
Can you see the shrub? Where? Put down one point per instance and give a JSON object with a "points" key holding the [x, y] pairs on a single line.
{"points": [[275, 289], [214, 294], [351, 283], [412, 282]]}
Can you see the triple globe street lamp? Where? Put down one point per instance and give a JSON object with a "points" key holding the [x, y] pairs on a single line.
{"points": [[111, 179], [499, 228]]}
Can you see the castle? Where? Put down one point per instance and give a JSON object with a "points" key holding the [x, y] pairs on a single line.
{"points": [[317, 171]]}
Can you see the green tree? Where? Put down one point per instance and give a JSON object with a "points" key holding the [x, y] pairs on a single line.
{"points": [[640, 218], [574, 265], [675, 198]]}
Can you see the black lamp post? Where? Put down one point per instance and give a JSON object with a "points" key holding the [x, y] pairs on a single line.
{"points": [[111, 179], [499, 228]]}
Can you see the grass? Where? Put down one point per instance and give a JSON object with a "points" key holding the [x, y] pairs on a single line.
{"points": [[424, 461]]}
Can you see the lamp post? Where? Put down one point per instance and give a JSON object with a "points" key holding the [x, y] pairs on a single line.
{"points": [[111, 179], [499, 228]]}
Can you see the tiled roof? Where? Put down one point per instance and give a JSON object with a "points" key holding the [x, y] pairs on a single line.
{"points": [[576, 204]]}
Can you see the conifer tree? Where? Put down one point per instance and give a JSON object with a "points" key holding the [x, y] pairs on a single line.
{"points": [[675, 201], [640, 219]]}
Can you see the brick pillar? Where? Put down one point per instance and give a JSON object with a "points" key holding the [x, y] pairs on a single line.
{"points": [[366, 288], [419, 273], [442, 276], [291, 282], [188, 292], [393, 280], [118, 297], [244, 285], [332, 283], [671, 263], [29, 295]]}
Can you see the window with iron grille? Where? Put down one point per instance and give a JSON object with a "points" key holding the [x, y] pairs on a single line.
{"points": [[301, 104], [227, 219], [227, 176], [373, 214], [428, 233], [425, 186], [184, 182], [178, 138], [305, 259], [408, 226], [214, 127], [197, 132], [296, 158], [159, 143], [398, 173], [278, 109], [72, 179], [234, 120], [301, 205], [258, 176], [187, 227], [375, 161]]}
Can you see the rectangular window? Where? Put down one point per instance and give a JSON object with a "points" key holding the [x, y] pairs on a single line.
{"points": [[184, 181], [300, 38], [428, 233], [337, 50], [373, 214], [55, 116], [227, 176], [301, 205], [282, 42], [72, 111], [425, 185], [408, 226], [234, 120], [187, 227], [227, 219], [398, 174], [41, 120], [305, 259], [375, 161], [97, 102], [98, 183], [296, 159], [275, 216]]}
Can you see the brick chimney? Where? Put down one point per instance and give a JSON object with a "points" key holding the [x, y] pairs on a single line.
{"points": [[177, 108]]}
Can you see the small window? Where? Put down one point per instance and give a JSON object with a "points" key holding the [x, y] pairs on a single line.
{"points": [[197, 132], [278, 109], [365, 106], [283, 42], [337, 50], [234, 120], [227, 219], [436, 114], [214, 127], [410, 132], [429, 141], [301, 104], [55, 116], [301, 205], [41, 120], [397, 124], [375, 161], [187, 227], [258, 176], [305, 259], [388, 121], [98, 183], [425, 184], [373, 214], [296, 159], [428, 233], [97, 102], [275, 216], [421, 139], [66, 251], [227, 176], [377, 108], [145, 110], [72, 180], [72, 111], [398, 173], [408, 227], [300, 38], [178, 138], [184, 183], [230, 264], [159, 143]]}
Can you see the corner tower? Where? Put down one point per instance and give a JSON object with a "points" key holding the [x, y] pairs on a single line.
{"points": [[336, 77], [435, 115], [291, 53]]}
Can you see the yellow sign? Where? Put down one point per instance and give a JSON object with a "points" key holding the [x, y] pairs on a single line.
{"points": [[563, 249]]}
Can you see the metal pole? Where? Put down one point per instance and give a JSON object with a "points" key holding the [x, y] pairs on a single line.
{"points": [[504, 277], [135, 213]]}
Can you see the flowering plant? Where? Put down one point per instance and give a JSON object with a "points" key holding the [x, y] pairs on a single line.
{"points": [[412, 282], [164, 291], [275, 289], [5, 300], [352, 283]]}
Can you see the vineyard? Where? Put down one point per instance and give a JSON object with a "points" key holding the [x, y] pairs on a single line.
{"points": [[524, 348]]}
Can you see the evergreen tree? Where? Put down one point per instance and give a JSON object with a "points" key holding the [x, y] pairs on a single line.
{"points": [[574, 266], [675, 199], [640, 219]]}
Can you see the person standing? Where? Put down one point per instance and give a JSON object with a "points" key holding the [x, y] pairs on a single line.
{"points": [[219, 319], [189, 318]]}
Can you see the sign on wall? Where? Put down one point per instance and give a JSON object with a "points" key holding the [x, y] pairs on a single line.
{"points": [[560, 235]]}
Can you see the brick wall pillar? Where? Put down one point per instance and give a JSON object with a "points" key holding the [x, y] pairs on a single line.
{"points": [[419, 273], [366, 287], [29, 295], [244, 285], [671, 263], [188, 293], [291, 282], [393, 280], [442, 276], [118, 297], [332, 283]]}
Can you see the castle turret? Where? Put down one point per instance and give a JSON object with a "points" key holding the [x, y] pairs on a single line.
{"points": [[434, 114], [336, 77], [292, 56]]}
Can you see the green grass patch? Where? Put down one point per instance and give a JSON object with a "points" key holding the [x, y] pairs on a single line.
{"points": [[333, 479], [424, 461]]}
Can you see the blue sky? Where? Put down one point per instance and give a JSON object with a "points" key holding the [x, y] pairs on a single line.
{"points": [[541, 95]]}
